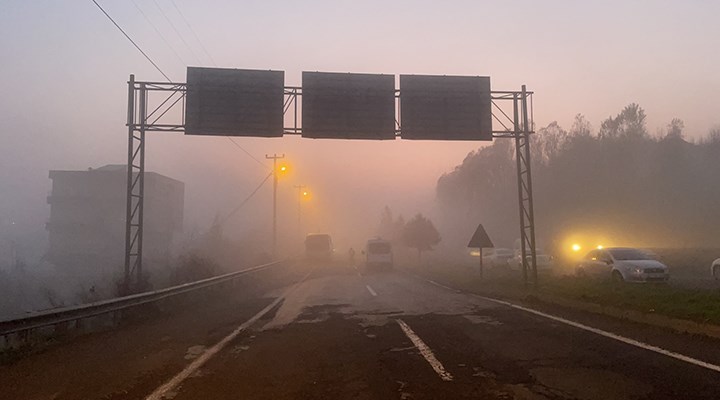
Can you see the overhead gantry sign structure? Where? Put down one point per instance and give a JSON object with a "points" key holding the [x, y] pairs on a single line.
{"points": [[328, 105]]}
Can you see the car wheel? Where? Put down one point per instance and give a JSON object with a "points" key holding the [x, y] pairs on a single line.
{"points": [[617, 277]]}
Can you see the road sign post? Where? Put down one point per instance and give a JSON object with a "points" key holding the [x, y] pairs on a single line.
{"points": [[480, 240]]}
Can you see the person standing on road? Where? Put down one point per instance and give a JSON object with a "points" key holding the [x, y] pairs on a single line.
{"points": [[351, 256]]}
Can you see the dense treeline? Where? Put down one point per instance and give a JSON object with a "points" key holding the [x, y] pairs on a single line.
{"points": [[621, 182]]}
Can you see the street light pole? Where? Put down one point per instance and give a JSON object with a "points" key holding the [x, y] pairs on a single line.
{"points": [[274, 157], [300, 198]]}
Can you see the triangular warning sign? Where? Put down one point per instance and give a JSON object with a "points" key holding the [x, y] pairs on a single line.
{"points": [[480, 239]]}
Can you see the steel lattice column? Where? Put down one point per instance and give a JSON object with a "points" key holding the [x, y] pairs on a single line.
{"points": [[525, 193], [135, 187]]}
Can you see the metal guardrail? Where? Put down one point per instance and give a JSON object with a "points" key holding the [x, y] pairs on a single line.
{"points": [[79, 312]]}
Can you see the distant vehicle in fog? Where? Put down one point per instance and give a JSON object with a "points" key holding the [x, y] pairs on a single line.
{"points": [[318, 246], [497, 257], [715, 269], [544, 262], [623, 264], [378, 254]]}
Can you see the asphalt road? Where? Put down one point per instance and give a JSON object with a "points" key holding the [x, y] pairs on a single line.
{"points": [[338, 333]]}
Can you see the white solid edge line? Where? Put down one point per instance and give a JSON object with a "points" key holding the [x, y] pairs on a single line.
{"points": [[596, 331], [425, 351], [372, 292], [174, 382]]}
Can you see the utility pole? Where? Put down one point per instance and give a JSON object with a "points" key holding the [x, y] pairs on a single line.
{"points": [[300, 199], [274, 157]]}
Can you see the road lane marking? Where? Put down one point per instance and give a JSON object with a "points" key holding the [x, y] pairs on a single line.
{"points": [[372, 292], [596, 331], [425, 351], [169, 386], [437, 284]]}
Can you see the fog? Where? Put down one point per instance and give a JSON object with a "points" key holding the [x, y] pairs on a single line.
{"points": [[63, 107], [613, 186]]}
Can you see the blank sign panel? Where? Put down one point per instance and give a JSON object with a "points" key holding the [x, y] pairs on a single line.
{"points": [[445, 107], [234, 102], [348, 106]]}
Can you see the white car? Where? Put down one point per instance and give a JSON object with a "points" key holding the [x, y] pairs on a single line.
{"points": [[496, 257], [623, 264], [715, 269], [544, 262]]}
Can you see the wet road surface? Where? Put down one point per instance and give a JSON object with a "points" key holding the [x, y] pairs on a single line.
{"points": [[341, 333]]}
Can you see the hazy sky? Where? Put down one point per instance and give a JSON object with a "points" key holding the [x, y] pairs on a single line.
{"points": [[64, 68]]}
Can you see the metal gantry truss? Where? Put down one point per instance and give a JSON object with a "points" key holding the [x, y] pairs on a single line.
{"points": [[160, 107]]}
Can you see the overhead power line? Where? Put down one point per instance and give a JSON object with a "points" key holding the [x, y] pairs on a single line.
{"points": [[159, 33], [247, 152], [194, 33], [214, 63], [177, 31], [246, 200], [132, 41], [157, 67]]}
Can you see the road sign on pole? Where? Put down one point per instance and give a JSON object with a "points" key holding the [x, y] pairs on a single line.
{"points": [[480, 240]]}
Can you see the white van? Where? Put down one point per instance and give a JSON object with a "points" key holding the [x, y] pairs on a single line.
{"points": [[318, 246], [378, 254]]}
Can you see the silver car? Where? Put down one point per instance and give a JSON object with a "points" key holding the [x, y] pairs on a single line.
{"points": [[623, 264], [496, 257], [544, 262]]}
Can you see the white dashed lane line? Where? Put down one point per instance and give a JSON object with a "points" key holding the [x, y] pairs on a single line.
{"points": [[372, 292], [425, 351]]}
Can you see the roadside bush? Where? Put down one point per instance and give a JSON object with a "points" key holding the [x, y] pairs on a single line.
{"points": [[192, 268]]}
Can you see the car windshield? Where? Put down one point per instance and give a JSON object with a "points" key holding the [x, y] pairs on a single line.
{"points": [[628, 254]]}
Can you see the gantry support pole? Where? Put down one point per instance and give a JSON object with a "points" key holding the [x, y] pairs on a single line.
{"points": [[528, 177], [521, 132], [128, 195], [134, 206]]}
